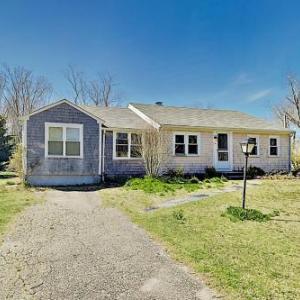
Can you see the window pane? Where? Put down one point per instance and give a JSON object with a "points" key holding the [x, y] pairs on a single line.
{"points": [[121, 150], [135, 151], [179, 149], [192, 139], [223, 156], [193, 149], [273, 142], [55, 148], [73, 134], [179, 139], [73, 148], [273, 150], [136, 139], [222, 141], [55, 134], [122, 138], [254, 151]]}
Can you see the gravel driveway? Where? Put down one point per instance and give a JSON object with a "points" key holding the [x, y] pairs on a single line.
{"points": [[71, 248]]}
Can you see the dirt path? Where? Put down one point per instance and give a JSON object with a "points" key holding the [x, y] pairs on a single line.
{"points": [[71, 248]]}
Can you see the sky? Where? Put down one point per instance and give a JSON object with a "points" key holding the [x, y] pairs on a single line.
{"points": [[213, 54]]}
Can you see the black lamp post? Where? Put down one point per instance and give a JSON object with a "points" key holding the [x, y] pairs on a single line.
{"points": [[247, 147]]}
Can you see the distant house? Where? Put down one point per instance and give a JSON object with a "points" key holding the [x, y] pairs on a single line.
{"points": [[67, 144]]}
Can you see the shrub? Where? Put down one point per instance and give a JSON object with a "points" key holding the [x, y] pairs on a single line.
{"points": [[10, 182], [210, 172], [194, 179], [179, 215], [238, 213], [253, 172], [16, 161], [178, 172]]}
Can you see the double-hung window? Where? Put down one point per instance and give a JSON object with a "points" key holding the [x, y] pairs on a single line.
{"points": [[63, 140], [255, 151], [273, 146], [127, 145], [186, 144]]}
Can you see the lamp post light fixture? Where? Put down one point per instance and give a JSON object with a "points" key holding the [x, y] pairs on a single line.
{"points": [[247, 147]]}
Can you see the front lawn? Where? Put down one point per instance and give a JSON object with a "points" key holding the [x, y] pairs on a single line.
{"points": [[13, 199], [241, 259]]}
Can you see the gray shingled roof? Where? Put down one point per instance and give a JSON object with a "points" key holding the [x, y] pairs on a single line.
{"points": [[212, 118], [117, 117]]}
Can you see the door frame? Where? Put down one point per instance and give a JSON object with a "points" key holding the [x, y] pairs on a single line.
{"points": [[230, 150]]}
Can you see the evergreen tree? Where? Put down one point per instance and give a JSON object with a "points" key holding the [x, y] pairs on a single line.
{"points": [[6, 144]]}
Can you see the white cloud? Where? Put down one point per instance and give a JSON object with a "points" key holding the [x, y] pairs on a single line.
{"points": [[242, 79], [259, 95]]}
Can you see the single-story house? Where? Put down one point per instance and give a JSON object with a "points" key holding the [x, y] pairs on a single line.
{"points": [[69, 144]]}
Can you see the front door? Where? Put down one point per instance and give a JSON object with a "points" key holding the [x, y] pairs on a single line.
{"points": [[222, 149]]}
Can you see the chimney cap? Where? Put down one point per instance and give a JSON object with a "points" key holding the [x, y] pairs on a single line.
{"points": [[160, 103]]}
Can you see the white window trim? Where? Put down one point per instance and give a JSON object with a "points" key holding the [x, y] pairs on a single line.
{"points": [[257, 143], [115, 157], [278, 145], [64, 126], [186, 144]]}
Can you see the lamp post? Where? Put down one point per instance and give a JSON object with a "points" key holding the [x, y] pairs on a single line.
{"points": [[247, 147]]}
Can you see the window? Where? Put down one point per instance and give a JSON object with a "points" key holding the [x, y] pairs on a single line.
{"points": [[255, 151], [127, 145], [136, 144], [63, 140], [273, 146], [186, 144], [179, 144], [193, 144]]}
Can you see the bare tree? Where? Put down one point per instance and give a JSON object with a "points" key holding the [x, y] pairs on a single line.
{"points": [[78, 84], [101, 91], [155, 150], [22, 93], [289, 109]]}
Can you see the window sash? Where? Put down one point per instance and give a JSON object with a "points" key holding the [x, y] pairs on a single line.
{"points": [[130, 144], [273, 146], [68, 144], [255, 151], [186, 146]]}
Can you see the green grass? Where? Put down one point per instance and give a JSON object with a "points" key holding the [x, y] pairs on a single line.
{"points": [[168, 185], [13, 199], [241, 260]]}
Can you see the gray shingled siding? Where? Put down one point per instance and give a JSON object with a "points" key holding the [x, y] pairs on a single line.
{"points": [[115, 168], [38, 165]]}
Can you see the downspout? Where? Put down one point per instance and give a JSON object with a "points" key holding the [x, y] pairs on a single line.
{"points": [[103, 155]]}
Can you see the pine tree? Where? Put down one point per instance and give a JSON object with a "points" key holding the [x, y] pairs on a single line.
{"points": [[6, 144]]}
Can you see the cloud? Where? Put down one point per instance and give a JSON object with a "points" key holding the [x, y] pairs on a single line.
{"points": [[259, 95], [242, 79]]}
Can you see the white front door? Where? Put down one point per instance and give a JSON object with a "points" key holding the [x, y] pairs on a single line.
{"points": [[222, 151]]}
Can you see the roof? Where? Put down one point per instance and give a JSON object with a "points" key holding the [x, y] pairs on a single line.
{"points": [[117, 117], [210, 118]]}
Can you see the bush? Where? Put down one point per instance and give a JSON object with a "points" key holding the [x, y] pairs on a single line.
{"points": [[238, 213], [210, 172], [178, 172], [253, 172], [16, 161], [179, 215], [194, 179]]}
